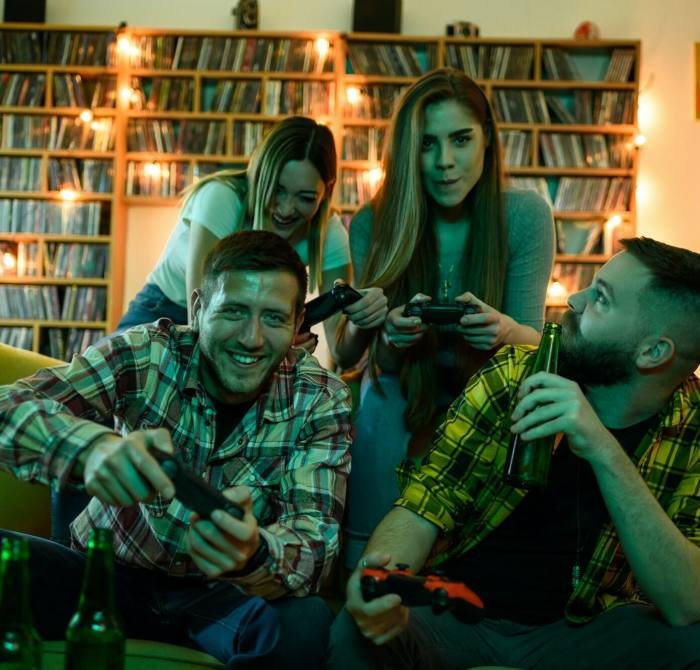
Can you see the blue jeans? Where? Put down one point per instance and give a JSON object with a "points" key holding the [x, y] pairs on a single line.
{"points": [[245, 632], [628, 637], [148, 305]]}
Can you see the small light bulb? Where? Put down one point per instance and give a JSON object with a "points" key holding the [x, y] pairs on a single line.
{"points": [[556, 291], [353, 95], [639, 140], [68, 194], [322, 46], [614, 221], [123, 44], [9, 262], [152, 170], [374, 176], [86, 116], [125, 93]]}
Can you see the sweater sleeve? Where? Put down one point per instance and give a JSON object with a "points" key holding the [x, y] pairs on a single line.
{"points": [[360, 242], [530, 257]]}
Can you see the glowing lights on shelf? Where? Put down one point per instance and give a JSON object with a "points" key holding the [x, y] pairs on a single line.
{"points": [[556, 291], [152, 170], [128, 95], [639, 140], [8, 264], [86, 116], [353, 95], [322, 46], [68, 194], [125, 48], [375, 176], [614, 221]]}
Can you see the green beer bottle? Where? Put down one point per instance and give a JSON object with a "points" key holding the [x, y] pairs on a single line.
{"points": [[20, 646], [527, 463], [94, 637]]}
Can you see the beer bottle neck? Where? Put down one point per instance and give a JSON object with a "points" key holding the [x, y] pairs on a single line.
{"points": [[98, 585], [14, 592]]}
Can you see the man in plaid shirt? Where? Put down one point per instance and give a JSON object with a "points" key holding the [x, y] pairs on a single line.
{"points": [[602, 568], [259, 419]]}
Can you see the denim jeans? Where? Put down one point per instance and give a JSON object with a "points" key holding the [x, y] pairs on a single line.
{"points": [[245, 632], [148, 305]]}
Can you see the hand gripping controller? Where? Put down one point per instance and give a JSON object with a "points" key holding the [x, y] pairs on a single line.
{"points": [[193, 492], [418, 590], [438, 313], [327, 304]]}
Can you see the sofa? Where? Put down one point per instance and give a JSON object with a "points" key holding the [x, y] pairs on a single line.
{"points": [[26, 508]]}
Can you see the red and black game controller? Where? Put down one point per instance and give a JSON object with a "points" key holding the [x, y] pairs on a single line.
{"points": [[419, 590]]}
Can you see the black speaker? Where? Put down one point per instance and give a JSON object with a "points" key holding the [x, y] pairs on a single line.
{"points": [[25, 11], [376, 16]]}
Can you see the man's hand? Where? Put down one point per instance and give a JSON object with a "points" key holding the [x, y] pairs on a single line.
{"points": [[121, 471], [381, 619], [549, 404], [223, 543]]}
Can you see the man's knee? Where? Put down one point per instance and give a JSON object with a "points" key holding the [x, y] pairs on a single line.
{"points": [[304, 630]]}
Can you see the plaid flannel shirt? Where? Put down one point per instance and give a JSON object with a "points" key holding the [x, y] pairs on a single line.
{"points": [[291, 448], [459, 486]]}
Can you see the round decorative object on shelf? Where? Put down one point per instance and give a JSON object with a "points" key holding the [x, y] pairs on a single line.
{"points": [[587, 30]]}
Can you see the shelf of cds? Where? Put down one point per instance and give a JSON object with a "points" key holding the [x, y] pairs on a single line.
{"points": [[58, 128], [95, 120], [566, 117]]}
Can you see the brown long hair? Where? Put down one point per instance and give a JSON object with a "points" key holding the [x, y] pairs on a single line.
{"points": [[403, 258], [295, 138]]}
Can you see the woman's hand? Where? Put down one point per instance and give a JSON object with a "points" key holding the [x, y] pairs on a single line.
{"points": [[370, 310], [487, 328], [403, 332]]}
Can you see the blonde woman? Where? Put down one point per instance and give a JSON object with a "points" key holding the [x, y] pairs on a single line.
{"points": [[287, 190], [441, 227]]}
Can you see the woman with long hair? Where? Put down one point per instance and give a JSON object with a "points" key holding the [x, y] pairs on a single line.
{"points": [[441, 228], [286, 189]]}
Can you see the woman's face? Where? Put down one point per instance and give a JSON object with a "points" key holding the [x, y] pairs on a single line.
{"points": [[297, 198], [452, 153]]}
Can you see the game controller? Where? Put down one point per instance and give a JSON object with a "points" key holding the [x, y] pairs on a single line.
{"points": [[193, 492], [327, 304], [439, 313], [419, 590]]}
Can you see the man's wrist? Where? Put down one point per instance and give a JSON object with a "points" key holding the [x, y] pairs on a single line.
{"points": [[256, 560]]}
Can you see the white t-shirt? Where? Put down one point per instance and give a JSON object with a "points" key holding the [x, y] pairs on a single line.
{"points": [[219, 209]]}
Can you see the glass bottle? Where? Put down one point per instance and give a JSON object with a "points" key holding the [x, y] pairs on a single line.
{"points": [[527, 462], [94, 637], [20, 645]]}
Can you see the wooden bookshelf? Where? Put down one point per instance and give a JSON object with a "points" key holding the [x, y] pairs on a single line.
{"points": [[181, 104], [565, 112], [60, 281]]}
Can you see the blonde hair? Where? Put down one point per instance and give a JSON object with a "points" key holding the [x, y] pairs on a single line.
{"points": [[403, 257], [295, 138]]}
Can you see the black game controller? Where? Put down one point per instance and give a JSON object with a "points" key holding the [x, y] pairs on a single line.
{"points": [[420, 590], [439, 313], [327, 304], [193, 492]]}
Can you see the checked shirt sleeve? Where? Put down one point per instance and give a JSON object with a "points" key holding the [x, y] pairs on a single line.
{"points": [[50, 418], [303, 541], [469, 446]]}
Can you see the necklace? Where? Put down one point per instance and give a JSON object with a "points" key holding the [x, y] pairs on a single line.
{"points": [[446, 283]]}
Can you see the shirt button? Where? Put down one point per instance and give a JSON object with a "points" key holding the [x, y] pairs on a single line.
{"points": [[240, 440]]}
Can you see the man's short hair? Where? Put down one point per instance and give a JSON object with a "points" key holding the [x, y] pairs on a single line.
{"points": [[256, 251], [675, 283]]}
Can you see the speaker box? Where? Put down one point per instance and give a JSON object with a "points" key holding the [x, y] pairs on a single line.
{"points": [[25, 11], [376, 16]]}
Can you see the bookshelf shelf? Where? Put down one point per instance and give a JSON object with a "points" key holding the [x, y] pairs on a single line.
{"points": [[190, 102]]}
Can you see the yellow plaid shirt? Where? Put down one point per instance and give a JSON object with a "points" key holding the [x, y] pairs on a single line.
{"points": [[459, 486]]}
